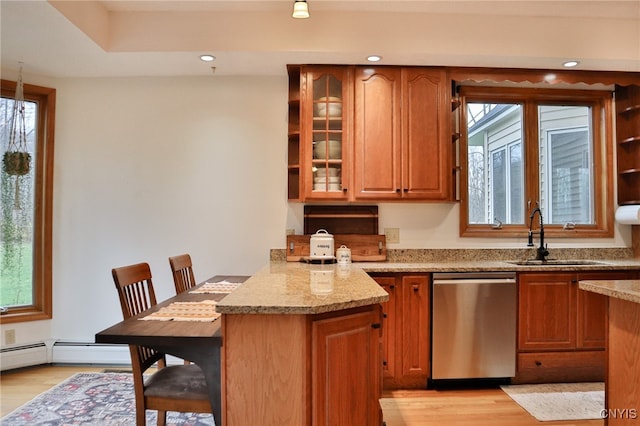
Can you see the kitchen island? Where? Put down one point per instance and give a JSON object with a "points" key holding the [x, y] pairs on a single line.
{"points": [[301, 346], [622, 384]]}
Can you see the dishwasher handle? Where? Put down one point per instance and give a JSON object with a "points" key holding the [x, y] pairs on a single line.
{"points": [[474, 281]]}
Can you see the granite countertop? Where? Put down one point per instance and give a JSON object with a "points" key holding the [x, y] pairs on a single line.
{"points": [[498, 266], [620, 289], [299, 288]]}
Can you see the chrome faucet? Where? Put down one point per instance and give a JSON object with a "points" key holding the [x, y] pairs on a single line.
{"points": [[542, 251]]}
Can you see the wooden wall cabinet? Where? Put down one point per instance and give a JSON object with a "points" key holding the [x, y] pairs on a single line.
{"points": [[561, 329], [406, 330], [361, 133], [319, 142], [628, 143], [402, 141]]}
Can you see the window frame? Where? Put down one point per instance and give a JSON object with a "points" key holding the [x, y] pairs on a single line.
{"points": [[41, 309], [601, 103]]}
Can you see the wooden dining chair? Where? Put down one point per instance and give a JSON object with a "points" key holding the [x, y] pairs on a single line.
{"points": [[180, 388], [182, 271]]}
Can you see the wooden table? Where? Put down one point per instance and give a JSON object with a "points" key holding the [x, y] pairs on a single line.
{"points": [[198, 342]]}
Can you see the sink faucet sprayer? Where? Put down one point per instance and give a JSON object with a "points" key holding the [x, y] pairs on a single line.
{"points": [[542, 251]]}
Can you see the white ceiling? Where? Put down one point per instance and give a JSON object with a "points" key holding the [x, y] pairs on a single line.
{"points": [[87, 38]]}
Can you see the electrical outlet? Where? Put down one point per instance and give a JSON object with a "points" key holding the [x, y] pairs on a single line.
{"points": [[10, 336], [392, 234]]}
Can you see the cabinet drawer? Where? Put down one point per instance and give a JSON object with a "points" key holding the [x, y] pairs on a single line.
{"points": [[570, 366]]}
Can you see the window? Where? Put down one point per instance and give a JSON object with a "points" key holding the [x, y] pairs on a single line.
{"points": [[536, 147], [25, 208]]}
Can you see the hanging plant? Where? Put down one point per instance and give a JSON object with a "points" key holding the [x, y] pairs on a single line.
{"points": [[16, 161]]}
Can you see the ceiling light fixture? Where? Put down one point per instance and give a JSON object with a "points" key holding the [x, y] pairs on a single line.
{"points": [[374, 58], [207, 58], [570, 64], [300, 9]]}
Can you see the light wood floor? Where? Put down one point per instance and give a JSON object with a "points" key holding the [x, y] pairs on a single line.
{"points": [[486, 407]]}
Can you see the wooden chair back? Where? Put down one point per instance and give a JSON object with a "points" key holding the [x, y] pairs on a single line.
{"points": [[135, 290], [182, 271], [167, 388]]}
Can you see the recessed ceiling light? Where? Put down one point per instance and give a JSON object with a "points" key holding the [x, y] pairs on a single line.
{"points": [[374, 58], [207, 58], [570, 64]]}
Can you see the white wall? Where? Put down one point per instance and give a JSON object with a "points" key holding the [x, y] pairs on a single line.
{"points": [[146, 168]]}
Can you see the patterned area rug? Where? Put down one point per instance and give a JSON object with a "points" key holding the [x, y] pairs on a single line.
{"points": [[559, 401], [105, 399]]}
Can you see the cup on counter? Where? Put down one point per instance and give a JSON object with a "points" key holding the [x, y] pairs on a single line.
{"points": [[343, 254]]}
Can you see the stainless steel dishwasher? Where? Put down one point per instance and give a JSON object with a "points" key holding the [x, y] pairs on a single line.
{"points": [[473, 325]]}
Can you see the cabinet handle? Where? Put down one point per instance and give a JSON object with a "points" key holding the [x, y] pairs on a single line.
{"points": [[415, 287], [384, 315], [398, 190], [406, 190], [538, 363], [392, 286], [376, 325]]}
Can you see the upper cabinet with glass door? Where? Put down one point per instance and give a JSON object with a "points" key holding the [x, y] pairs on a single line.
{"points": [[325, 132]]}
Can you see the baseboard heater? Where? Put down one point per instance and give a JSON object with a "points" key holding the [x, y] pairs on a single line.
{"points": [[96, 353], [66, 352], [62, 352], [23, 356]]}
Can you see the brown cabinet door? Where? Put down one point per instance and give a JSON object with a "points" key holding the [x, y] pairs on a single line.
{"points": [[345, 369], [325, 132], [547, 311], [377, 148], [415, 327], [389, 324], [426, 148]]}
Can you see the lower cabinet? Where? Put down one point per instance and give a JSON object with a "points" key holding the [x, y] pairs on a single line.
{"points": [[561, 329], [406, 330], [297, 369], [345, 367]]}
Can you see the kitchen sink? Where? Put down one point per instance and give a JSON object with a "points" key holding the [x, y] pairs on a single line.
{"points": [[557, 262]]}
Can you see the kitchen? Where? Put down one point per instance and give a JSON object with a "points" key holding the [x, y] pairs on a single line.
{"points": [[219, 141]]}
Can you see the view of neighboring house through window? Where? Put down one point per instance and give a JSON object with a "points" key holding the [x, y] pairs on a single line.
{"points": [[25, 207], [533, 150], [495, 178], [568, 171]]}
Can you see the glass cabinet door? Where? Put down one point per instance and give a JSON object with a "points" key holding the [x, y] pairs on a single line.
{"points": [[327, 133]]}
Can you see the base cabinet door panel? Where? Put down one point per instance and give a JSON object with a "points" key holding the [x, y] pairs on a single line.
{"points": [[389, 327], [415, 328], [345, 370], [547, 311]]}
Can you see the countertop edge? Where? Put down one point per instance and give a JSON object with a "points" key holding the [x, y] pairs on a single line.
{"points": [[628, 290], [302, 310]]}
